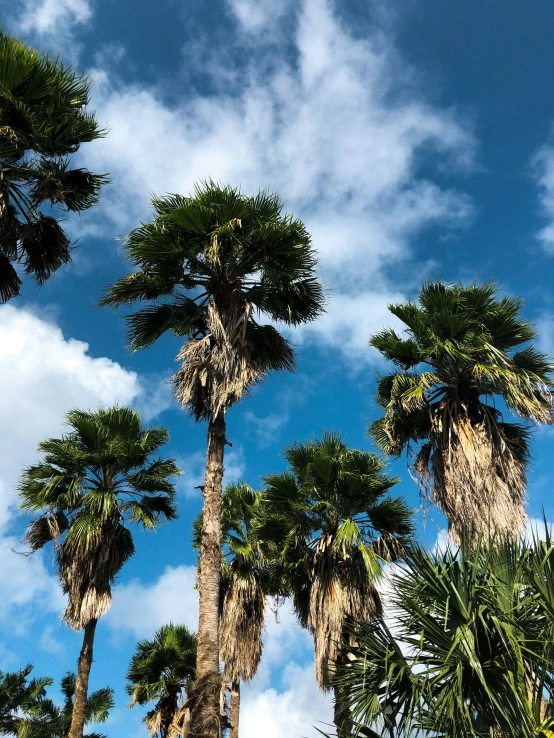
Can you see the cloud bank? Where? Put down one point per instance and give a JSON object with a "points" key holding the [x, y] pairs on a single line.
{"points": [[337, 124]]}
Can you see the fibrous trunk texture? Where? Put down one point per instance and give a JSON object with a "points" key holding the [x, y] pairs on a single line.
{"points": [[217, 370], [340, 592], [235, 709], [241, 626], [204, 696], [476, 476], [86, 577], [341, 715], [81, 684]]}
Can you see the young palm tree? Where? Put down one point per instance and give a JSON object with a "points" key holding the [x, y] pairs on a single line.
{"points": [[470, 459], [210, 266], [46, 719], [335, 524], [243, 590], [163, 669], [18, 696], [42, 122], [469, 651], [91, 484]]}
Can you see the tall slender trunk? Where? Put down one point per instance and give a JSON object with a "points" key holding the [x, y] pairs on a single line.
{"points": [[206, 710], [81, 684], [342, 717], [235, 709]]}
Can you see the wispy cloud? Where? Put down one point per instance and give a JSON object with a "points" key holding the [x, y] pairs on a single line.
{"points": [[333, 122], [51, 24], [543, 168]]}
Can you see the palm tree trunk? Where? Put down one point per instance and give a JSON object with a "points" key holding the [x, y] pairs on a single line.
{"points": [[81, 685], [206, 709], [342, 717], [235, 709]]}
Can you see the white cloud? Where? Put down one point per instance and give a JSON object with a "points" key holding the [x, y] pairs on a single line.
{"points": [[297, 705], [339, 128], [49, 643], [52, 22], [267, 427], [256, 15], [543, 167], [28, 590], [42, 375], [545, 326], [140, 609], [298, 710]]}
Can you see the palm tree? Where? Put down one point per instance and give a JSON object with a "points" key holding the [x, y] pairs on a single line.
{"points": [[210, 266], [42, 122], [467, 647], [91, 484], [46, 719], [243, 589], [18, 696], [162, 669], [470, 460], [331, 516]]}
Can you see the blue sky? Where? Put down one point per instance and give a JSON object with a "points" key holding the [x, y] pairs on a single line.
{"points": [[414, 139]]}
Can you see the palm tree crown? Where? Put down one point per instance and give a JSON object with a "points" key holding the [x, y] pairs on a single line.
{"points": [[46, 719], [214, 266], [42, 122], [457, 359], [208, 265], [467, 648], [90, 485], [162, 669], [18, 696], [334, 523]]}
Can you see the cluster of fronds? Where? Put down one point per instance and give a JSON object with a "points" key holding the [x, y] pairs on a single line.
{"points": [[90, 485], [477, 473], [42, 122], [45, 718], [244, 582], [209, 264], [328, 524], [18, 696], [86, 576], [162, 670], [467, 648], [470, 460]]}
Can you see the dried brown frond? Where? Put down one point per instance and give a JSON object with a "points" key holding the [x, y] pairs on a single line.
{"points": [[217, 370], [474, 475], [340, 592], [86, 577], [153, 721], [203, 713], [241, 627]]}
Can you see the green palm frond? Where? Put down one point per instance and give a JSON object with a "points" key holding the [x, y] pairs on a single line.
{"points": [[90, 485], [161, 670], [44, 718], [463, 353], [208, 269], [468, 650], [326, 526], [43, 121]]}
